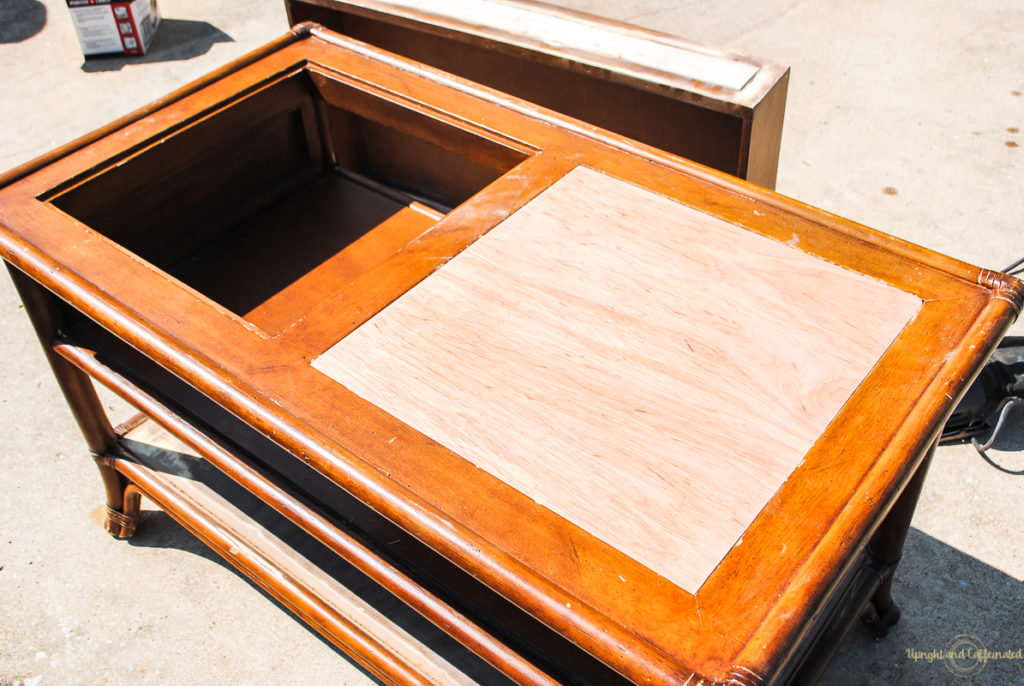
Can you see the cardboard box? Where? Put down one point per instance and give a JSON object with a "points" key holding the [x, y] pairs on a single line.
{"points": [[108, 27]]}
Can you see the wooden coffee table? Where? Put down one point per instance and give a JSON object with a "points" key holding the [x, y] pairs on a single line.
{"points": [[596, 412]]}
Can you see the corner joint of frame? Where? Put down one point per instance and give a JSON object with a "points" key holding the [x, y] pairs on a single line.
{"points": [[1005, 286], [304, 29]]}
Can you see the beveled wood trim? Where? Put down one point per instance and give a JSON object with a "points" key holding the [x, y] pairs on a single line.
{"points": [[881, 485], [899, 263]]}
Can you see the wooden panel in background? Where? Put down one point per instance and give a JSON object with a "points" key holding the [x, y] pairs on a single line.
{"points": [[647, 371], [715, 107]]}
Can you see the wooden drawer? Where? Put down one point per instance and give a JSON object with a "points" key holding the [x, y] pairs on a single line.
{"points": [[714, 107]]}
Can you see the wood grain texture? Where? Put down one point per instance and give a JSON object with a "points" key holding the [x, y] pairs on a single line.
{"points": [[625, 361]]}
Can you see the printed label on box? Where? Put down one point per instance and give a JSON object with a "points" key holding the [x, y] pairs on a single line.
{"points": [[113, 26], [97, 31]]}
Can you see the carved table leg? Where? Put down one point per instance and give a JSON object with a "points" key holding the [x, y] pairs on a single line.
{"points": [[886, 548]]}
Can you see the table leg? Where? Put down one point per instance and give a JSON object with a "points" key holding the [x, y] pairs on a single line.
{"points": [[869, 595], [886, 548], [123, 501], [45, 313]]}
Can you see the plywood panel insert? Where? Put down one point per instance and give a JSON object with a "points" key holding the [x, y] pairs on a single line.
{"points": [[646, 371]]}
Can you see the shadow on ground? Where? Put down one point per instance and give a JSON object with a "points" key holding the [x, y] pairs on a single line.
{"points": [[158, 530], [21, 19], [175, 40], [944, 594]]}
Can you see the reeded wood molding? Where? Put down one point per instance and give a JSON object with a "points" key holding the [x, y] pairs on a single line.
{"points": [[1008, 288]]}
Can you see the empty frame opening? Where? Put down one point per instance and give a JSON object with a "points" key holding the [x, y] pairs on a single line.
{"points": [[273, 202]]}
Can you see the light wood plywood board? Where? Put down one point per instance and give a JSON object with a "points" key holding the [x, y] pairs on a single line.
{"points": [[644, 370]]}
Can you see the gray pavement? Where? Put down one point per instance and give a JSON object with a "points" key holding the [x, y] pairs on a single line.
{"points": [[921, 98]]}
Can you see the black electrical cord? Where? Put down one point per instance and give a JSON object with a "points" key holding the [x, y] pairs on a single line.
{"points": [[1016, 265]]}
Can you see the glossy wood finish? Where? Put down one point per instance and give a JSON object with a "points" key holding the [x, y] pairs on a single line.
{"points": [[718, 108], [475, 157]]}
